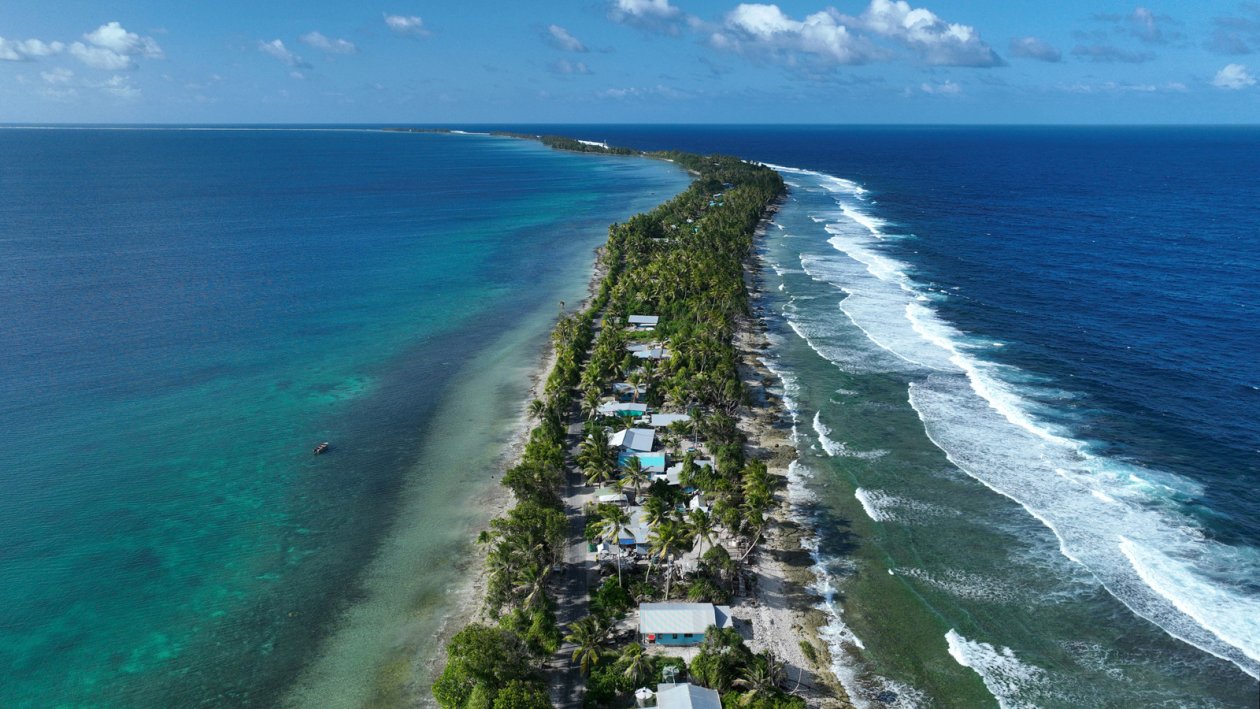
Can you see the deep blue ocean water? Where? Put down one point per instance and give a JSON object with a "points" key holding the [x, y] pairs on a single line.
{"points": [[1025, 367], [184, 314]]}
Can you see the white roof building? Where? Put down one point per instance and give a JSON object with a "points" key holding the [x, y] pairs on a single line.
{"points": [[652, 353], [644, 320], [663, 420], [635, 439], [680, 623], [622, 409], [628, 388], [686, 696]]}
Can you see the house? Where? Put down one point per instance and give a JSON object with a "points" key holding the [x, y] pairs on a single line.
{"points": [[686, 696], [673, 474], [626, 390], [680, 623], [651, 353], [610, 496], [634, 439], [638, 532], [621, 409], [663, 420], [643, 323]]}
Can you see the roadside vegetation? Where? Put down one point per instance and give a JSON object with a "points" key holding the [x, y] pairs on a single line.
{"points": [[684, 262]]}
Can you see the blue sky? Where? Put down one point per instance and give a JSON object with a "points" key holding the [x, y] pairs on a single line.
{"points": [[620, 61]]}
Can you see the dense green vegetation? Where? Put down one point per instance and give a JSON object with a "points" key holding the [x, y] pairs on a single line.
{"points": [[683, 261]]}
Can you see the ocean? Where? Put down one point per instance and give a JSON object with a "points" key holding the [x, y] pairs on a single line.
{"points": [[1021, 364], [1024, 368], [184, 314]]}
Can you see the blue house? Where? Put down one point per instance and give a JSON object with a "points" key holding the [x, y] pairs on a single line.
{"points": [[680, 623]]}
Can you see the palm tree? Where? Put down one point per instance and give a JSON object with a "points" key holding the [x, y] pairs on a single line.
{"points": [[596, 458], [702, 527], [590, 402], [615, 520], [762, 676], [531, 585], [537, 408], [667, 538], [635, 380], [638, 663], [632, 473], [657, 510], [587, 634]]}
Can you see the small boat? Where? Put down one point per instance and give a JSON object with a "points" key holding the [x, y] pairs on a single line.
{"points": [[322, 448]]}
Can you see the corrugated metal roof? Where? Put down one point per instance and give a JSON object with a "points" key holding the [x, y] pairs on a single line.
{"points": [[635, 439], [686, 696], [682, 617], [653, 353], [643, 319]]}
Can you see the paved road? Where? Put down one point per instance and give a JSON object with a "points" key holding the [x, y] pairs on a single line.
{"points": [[572, 590]]}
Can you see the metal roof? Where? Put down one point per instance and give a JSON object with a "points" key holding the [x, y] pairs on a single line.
{"points": [[635, 439], [659, 420], [612, 408], [682, 618], [686, 696], [653, 353], [643, 319]]}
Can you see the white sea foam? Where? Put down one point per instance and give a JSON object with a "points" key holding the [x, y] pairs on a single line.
{"points": [[975, 412], [1004, 675], [970, 586], [839, 449], [868, 505], [1228, 615], [881, 506]]}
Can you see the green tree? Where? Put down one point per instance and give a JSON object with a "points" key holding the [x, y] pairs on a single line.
{"points": [[597, 457], [614, 521], [702, 528], [523, 695], [633, 474], [587, 635], [639, 665], [482, 660]]}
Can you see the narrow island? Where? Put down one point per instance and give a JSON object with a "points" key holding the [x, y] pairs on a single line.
{"points": [[650, 558]]}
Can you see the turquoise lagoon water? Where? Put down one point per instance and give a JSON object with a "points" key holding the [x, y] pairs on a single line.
{"points": [[184, 315]]}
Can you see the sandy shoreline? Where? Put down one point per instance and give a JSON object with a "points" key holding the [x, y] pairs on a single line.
{"points": [[784, 612], [495, 501]]}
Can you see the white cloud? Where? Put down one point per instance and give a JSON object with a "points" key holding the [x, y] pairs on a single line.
{"points": [[1145, 25], [634, 92], [646, 8], [411, 26], [120, 86], [101, 58], [657, 15], [765, 29], [1233, 77], [276, 49], [327, 45], [564, 66], [948, 88], [1033, 48], [113, 37], [112, 48], [560, 38], [937, 41], [14, 50], [57, 76]]}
